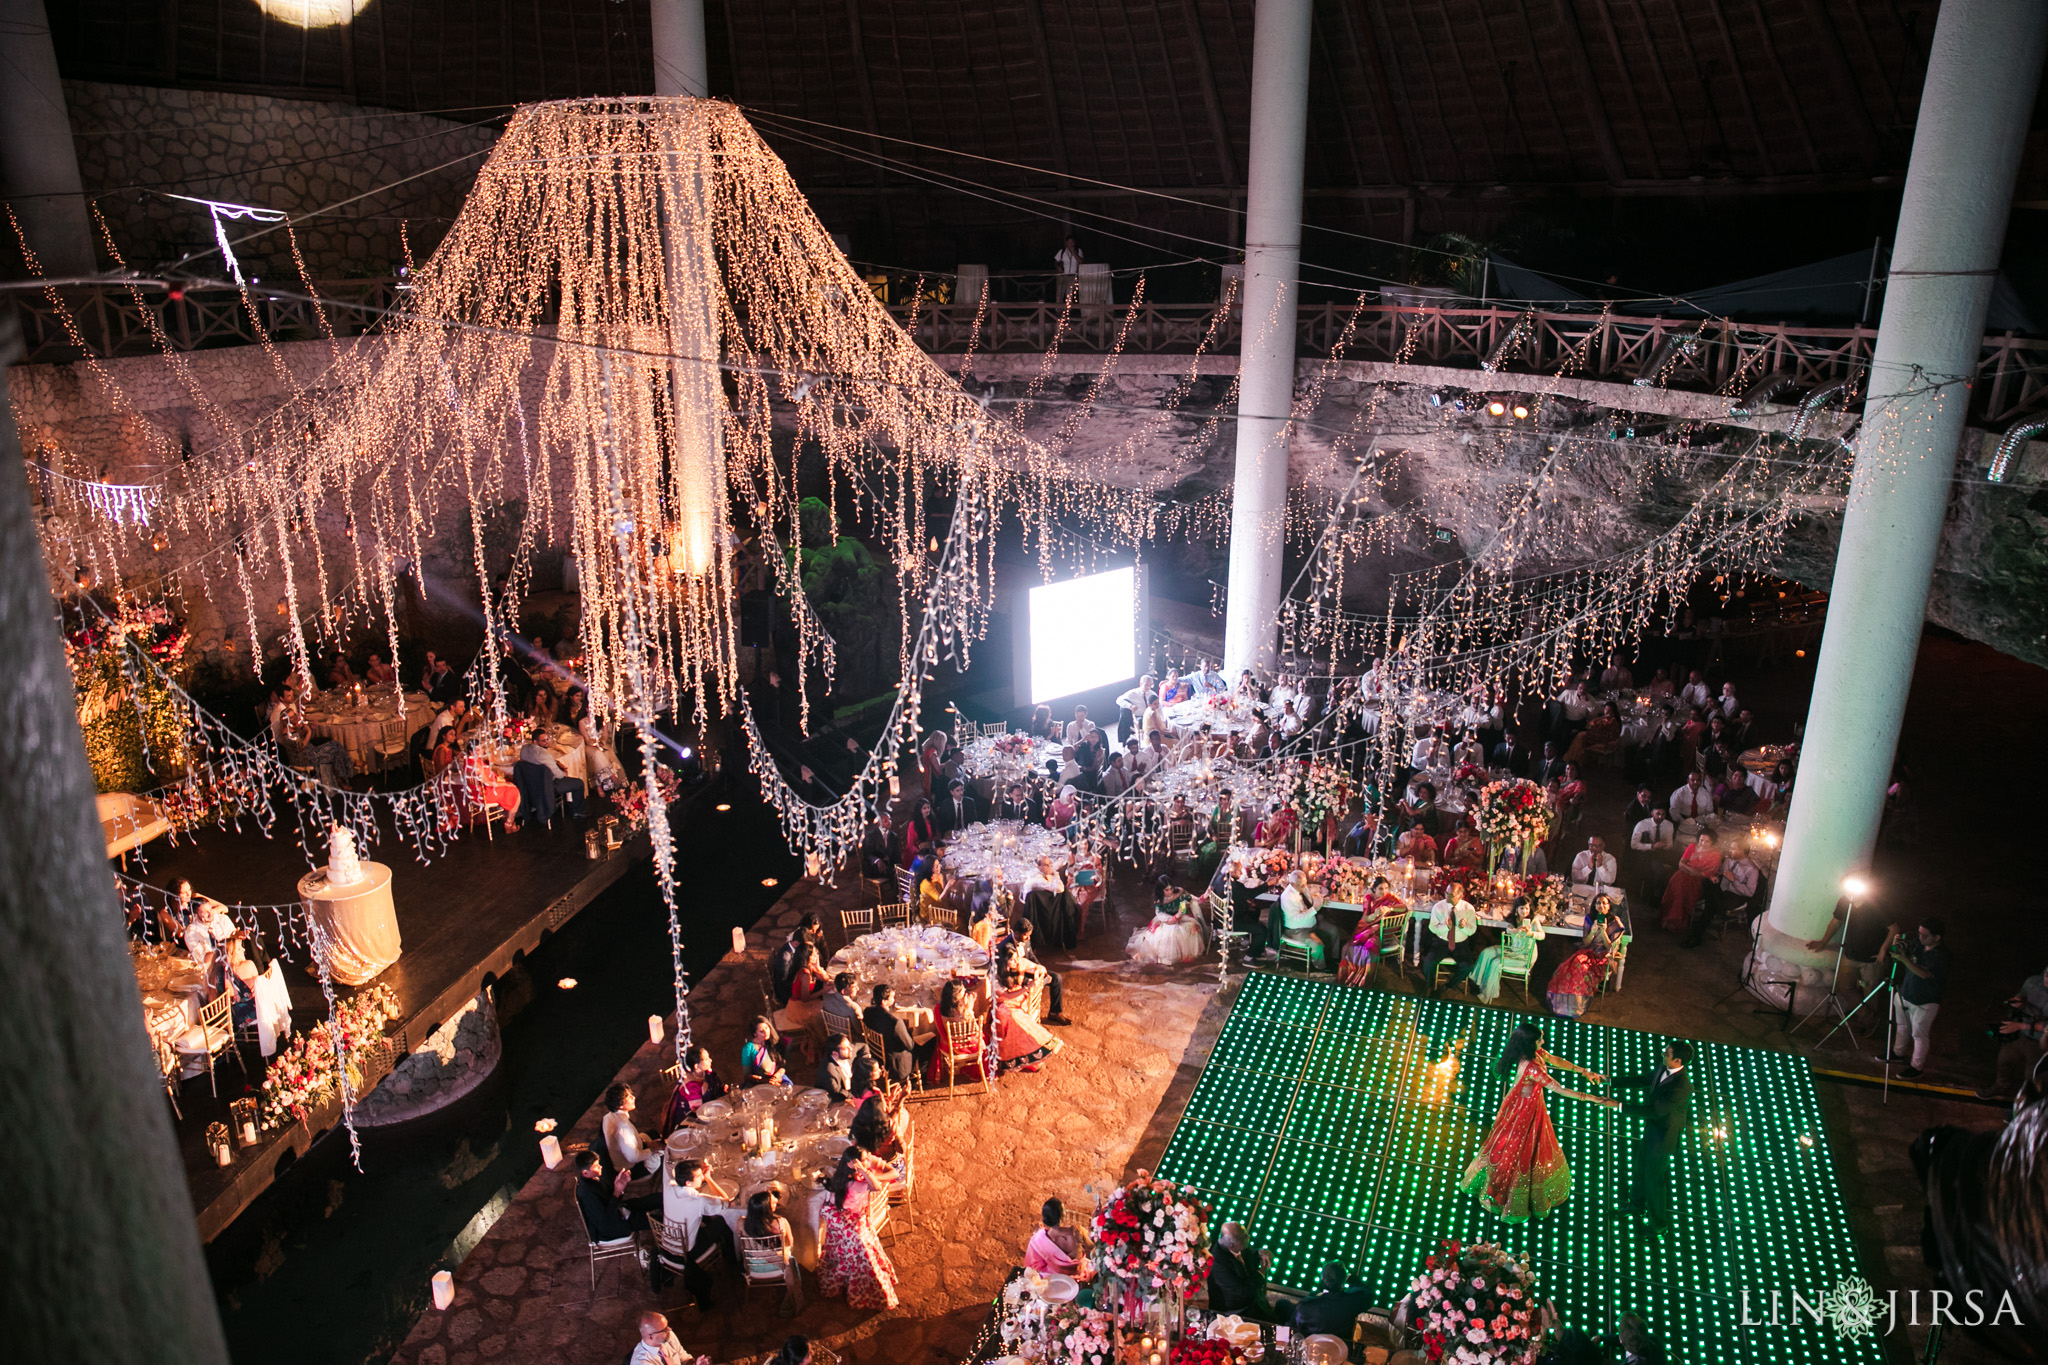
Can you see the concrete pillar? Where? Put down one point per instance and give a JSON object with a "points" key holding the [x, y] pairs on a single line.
{"points": [[1981, 76], [103, 1255], [681, 64], [38, 164], [1272, 270]]}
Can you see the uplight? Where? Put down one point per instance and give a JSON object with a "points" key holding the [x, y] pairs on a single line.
{"points": [[567, 983], [723, 805], [770, 881]]}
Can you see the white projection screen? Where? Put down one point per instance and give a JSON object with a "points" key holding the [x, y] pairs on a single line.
{"points": [[1084, 634]]}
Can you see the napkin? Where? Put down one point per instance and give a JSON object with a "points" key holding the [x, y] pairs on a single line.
{"points": [[1235, 1330]]}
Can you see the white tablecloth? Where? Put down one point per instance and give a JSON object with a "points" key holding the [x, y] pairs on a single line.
{"points": [[1003, 851], [809, 1137], [941, 955], [566, 746], [333, 715], [361, 924]]}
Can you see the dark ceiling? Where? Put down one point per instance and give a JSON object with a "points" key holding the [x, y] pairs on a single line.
{"points": [[1580, 133]]}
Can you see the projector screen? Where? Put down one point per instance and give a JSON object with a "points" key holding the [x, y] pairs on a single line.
{"points": [[1084, 634]]}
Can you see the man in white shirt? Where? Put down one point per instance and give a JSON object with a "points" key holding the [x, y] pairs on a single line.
{"points": [[1209, 682], [1070, 766], [1731, 705], [1573, 701], [1694, 693], [1691, 803], [1289, 724], [1429, 752], [1044, 877], [1652, 840], [1131, 705], [1452, 924], [447, 716], [1156, 756], [1595, 869], [559, 784], [658, 1345], [1616, 676], [1739, 877]]}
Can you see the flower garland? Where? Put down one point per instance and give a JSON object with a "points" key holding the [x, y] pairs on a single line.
{"points": [[1322, 788], [1509, 814], [134, 728], [1155, 1234], [307, 1068], [1475, 1305], [632, 802]]}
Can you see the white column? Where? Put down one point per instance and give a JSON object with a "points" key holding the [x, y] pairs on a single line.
{"points": [[1981, 76], [1272, 268], [680, 63], [38, 164]]}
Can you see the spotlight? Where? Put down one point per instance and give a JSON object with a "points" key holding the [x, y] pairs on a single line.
{"points": [[1496, 408], [685, 751], [567, 983], [1521, 412], [723, 805], [1855, 887]]}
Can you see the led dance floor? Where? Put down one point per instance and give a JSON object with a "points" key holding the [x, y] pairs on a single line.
{"points": [[1335, 1123]]}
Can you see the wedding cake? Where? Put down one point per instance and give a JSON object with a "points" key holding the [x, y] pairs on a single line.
{"points": [[343, 867]]}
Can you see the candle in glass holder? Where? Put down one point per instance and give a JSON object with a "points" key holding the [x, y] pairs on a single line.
{"points": [[655, 1029], [249, 1132], [223, 1156], [551, 1151]]}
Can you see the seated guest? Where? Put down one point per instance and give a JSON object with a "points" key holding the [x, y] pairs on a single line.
{"points": [[538, 775], [903, 1052], [1416, 845], [957, 810], [1730, 896], [918, 832], [1041, 722], [984, 921], [839, 1001], [876, 856], [1453, 922], [1064, 808], [1691, 803], [1466, 851], [379, 673], [1019, 941], [1659, 687], [767, 1229], [327, 759], [1616, 677], [697, 1085], [881, 1117], [1571, 790], [1355, 967], [1044, 877], [835, 1070], [339, 674], [761, 1058], [1733, 793], [1698, 868], [1055, 1249], [625, 1146], [1333, 1310], [1651, 841], [440, 682], [1237, 1277], [1632, 1343], [1577, 979], [1512, 755], [607, 1215], [1595, 868], [1550, 767], [702, 1204], [658, 1345], [1277, 828], [1639, 807], [1174, 934], [782, 962], [1022, 1043], [2022, 1039], [1417, 806], [808, 986], [933, 891]]}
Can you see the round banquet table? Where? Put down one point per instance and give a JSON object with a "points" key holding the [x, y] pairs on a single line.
{"points": [[566, 746], [1231, 718], [333, 715], [992, 757], [941, 955], [810, 1135], [1003, 852], [360, 923], [1762, 760]]}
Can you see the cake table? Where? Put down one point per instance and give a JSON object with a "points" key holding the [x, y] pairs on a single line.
{"points": [[360, 924]]}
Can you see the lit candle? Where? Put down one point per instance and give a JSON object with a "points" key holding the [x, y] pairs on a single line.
{"points": [[551, 1151], [654, 1029], [249, 1132], [444, 1289], [222, 1156], [739, 939]]}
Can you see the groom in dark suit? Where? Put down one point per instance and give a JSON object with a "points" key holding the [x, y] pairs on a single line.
{"points": [[1664, 1108]]}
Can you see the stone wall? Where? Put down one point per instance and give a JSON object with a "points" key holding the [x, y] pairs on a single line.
{"points": [[453, 1061], [136, 143]]}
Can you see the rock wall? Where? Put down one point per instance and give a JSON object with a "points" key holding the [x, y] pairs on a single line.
{"points": [[453, 1061], [138, 143]]}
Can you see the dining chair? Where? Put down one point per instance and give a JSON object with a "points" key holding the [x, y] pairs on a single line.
{"points": [[1221, 933], [219, 1034], [899, 1194], [842, 1026], [1518, 970], [944, 916], [765, 1260], [1294, 950], [851, 918], [895, 916], [1617, 963], [393, 746], [906, 885], [1394, 941], [965, 1044]]}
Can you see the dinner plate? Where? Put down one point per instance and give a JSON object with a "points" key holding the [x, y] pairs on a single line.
{"points": [[1060, 1289], [714, 1109], [811, 1098]]}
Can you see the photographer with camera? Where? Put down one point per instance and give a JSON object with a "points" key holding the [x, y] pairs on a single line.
{"points": [[2025, 1035], [1922, 972]]}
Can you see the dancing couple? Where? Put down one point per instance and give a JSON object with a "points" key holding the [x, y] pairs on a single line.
{"points": [[1519, 1173]]}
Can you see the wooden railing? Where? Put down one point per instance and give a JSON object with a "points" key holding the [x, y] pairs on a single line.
{"points": [[2012, 372]]}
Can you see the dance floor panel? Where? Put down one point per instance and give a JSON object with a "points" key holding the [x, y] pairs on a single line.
{"points": [[1335, 1123]]}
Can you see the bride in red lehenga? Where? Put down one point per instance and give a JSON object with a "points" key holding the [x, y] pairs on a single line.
{"points": [[1520, 1172]]}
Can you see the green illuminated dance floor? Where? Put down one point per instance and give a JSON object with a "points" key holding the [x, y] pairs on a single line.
{"points": [[1329, 1122]]}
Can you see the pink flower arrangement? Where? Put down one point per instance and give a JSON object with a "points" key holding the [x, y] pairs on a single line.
{"points": [[1475, 1305], [1017, 743], [308, 1067], [1154, 1234], [1083, 1335], [1509, 814], [632, 801]]}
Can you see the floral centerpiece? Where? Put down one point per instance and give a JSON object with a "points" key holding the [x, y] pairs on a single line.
{"points": [[1471, 773], [520, 730], [1207, 1351], [1509, 814], [1085, 1336], [1269, 865], [1475, 1305], [308, 1067], [632, 801], [1155, 1235], [1320, 790], [1016, 743], [1546, 896]]}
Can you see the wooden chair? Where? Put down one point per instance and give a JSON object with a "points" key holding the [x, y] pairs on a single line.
{"points": [[765, 1260], [856, 920], [393, 747], [839, 1026], [962, 1040], [1221, 934], [1518, 970], [214, 1022], [1443, 967], [995, 728], [872, 891], [1295, 950], [1394, 940], [895, 916], [1617, 963], [906, 885], [900, 1194], [944, 916], [619, 1248]]}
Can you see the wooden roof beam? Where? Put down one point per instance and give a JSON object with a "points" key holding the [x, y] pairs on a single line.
{"points": [[1034, 15], [1581, 65], [1834, 64], [1219, 128]]}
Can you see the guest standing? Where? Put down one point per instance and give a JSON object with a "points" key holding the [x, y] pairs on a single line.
{"points": [[1667, 1096], [851, 1261]]}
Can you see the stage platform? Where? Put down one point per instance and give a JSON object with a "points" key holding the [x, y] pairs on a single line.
{"points": [[463, 917], [1335, 1123]]}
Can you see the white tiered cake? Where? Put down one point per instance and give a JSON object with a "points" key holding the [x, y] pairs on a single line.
{"points": [[343, 867]]}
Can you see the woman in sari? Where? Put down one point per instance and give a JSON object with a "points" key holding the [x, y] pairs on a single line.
{"points": [[1698, 868], [1574, 984], [1064, 808], [1277, 828], [1519, 1172], [984, 921], [1174, 934], [695, 1088], [1022, 1043], [932, 892], [478, 784], [851, 1260], [1355, 966], [808, 986], [1088, 880], [1515, 952], [967, 1055], [1465, 854]]}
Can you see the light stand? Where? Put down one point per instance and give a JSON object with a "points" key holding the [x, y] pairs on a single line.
{"points": [[1829, 997], [1887, 988], [1746, 979]]}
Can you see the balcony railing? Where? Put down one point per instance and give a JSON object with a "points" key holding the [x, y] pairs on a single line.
{"points": [[2011, 379]]}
